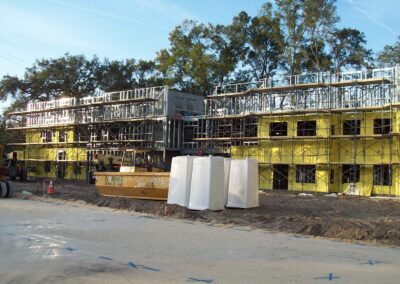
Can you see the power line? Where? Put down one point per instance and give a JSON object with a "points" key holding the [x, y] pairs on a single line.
{"points": [[22, 61], [19, 48], [13, 61]]}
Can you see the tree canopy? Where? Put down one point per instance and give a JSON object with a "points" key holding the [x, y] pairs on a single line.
{"points": [[390, 54], [348, 49], [286, 37], [76, 76]]}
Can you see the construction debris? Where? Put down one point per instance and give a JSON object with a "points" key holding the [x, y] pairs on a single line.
{"points": [[304, 194]]}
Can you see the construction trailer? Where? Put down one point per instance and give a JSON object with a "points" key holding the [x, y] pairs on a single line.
{"points": [[320, 132], [63, 138]]}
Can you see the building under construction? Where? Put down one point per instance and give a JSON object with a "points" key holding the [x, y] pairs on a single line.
{"points": [[69, 138], [322, 132]]}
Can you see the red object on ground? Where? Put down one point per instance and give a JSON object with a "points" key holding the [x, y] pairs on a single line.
{"points": [[50, 190]]}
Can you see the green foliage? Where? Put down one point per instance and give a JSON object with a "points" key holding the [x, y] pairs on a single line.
{"points": [[348, 49], [5, 136], [390, 55], [122, 75], [263, 43], [289, 36], [319, 19], [290, 13], [70, 75], [117, 75], [76, 76], [147, 75], [199, 57]]}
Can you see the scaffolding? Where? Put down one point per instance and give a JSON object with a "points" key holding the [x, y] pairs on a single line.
{"points": [[74, 131], [321, 132]]}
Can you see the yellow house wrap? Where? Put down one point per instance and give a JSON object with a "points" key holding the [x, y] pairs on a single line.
{"points": [[55, 156], [330, 151]]}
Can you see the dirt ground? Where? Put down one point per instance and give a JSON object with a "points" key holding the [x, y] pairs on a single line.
{"points": [[341, 217]]}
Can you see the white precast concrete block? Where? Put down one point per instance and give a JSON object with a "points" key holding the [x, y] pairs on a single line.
{"points": [[227, 170], [180, 180], [243, 184], [207, 187]]}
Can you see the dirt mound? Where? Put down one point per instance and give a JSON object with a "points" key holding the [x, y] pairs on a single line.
{"points": [[351, 218]]}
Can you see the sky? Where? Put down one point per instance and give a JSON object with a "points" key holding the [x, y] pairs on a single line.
{"points": [[120, 29]]}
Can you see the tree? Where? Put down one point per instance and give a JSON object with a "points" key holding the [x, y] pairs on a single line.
{"points": [[146, 74], [264, 43], [76, 76], [316, 57], [236, 49], [390, 55], [318, 22], [117, 75], [186, 63], [70, 75], [291, 36], [348, 49], [290, 13], [6, 136], [123, 75], [199, 57]]}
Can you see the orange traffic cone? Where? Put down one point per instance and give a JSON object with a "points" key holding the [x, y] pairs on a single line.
{"points": [[50, 190]]}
